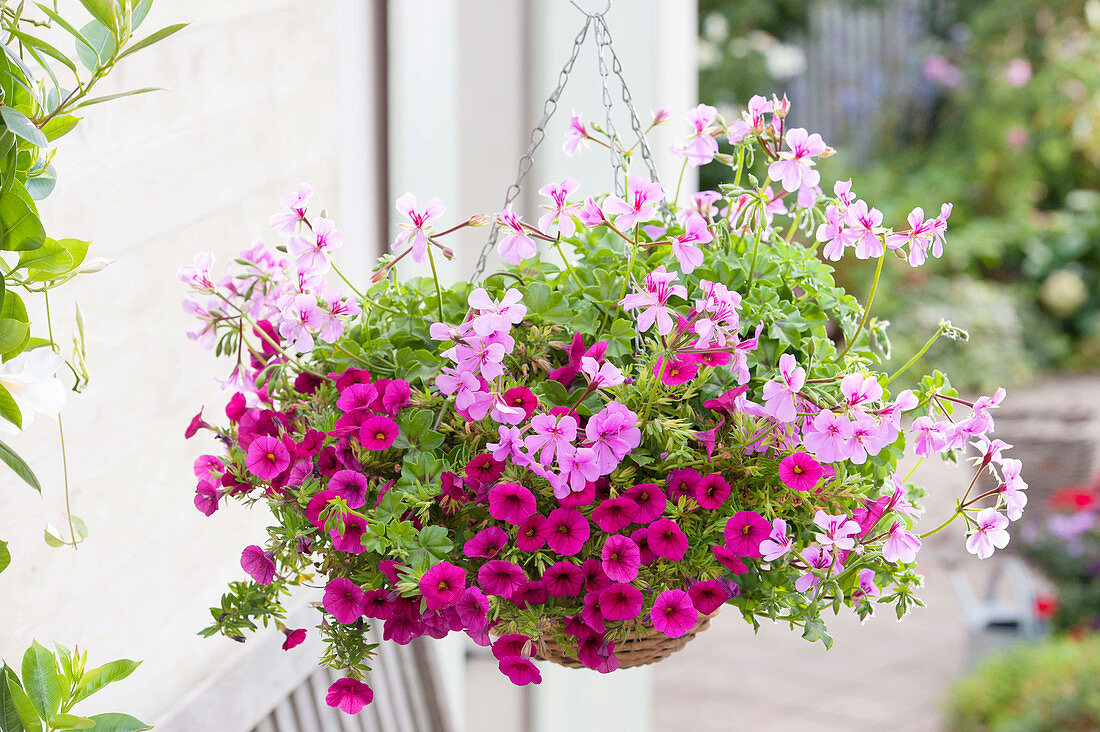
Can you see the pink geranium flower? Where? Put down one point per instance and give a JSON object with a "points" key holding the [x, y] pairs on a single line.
{"points": [[442, 585], [901, 545], [416, 230], [673, 613], [795, 166], [567, 530], [377, 432], [827, 435], [511, 502], [550, 434], [344, 600], [989, 533], [639, 207], [778, 544], [287, 222], [312, 254], [744, 532], [562, 214], [621, 558], [865, 230], [653, 300], [516, 245], [575, 135], [349, 695], [685, 247], [779, 395], [258, 564], [800, 471], [836, 531], [708, 595], [267, 457], [620, 602], [666, 539], [700, 147]]}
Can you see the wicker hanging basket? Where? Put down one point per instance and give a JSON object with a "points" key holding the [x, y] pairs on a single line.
{"points": [[644, 647]]}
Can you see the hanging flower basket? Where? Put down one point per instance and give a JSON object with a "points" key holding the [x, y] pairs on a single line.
{"points": [[582, 456]]}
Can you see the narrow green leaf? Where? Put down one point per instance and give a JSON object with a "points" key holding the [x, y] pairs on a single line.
{"points": [[19, 466], [99, 46], [9, 716], [116, 722], [109, 97], [59, 126], [40, 680], [141, 10], [44, 47], [24, 709], [5, 560], [20, 227], [20, 125], [70, 721], [153, 38], [13, 335], [63, 23], [101, 10], [9, 410], [108, 673]]}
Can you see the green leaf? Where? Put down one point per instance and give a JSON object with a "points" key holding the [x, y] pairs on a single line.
{"points": [[9, 410], [42, 184], [52, 539], [108, 673], [40, 680], [13, 335], [99, 45], [52, 257], [19, 466], [140, 11], [59, 126], [153, 38], [115, 722], [5, 560], [20, 227], [62, 22], [102, 10], [9, 715], [21, 126], [434, 539], [24, 709], [71, 721], [109, 97], [46, 48]]}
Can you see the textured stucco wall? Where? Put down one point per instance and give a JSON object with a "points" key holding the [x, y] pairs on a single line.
{"points": [[252, 110]]}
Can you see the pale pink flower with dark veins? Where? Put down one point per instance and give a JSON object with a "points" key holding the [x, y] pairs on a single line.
{"points": [[200, 275], [654, 300], [561, 216], [478, 356], [516, 246], [639, 207], [827, 436], [301, 318], [684, 246], [778, 544], [832, 231], [591, 214], [779, 395], [718, 319], [1013, 488], [901, 545], [417, 229], [333, 315], [918, 237], [795, 167], [929, 436], [865, 230], [819, 558], [286, 223], [752, 119], [866, 439], [701, 147], [989, 533], [858, 389], [578, 466], [575, 135], [311, 253], [601, 375], [496, 316], [837, 530], [551, 434]]}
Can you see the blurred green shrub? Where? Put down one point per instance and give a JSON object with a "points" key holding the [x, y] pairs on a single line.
{"points": [[1053, 686]]}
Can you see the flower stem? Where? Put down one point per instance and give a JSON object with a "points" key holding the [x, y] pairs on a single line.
{"points": [[910, 473], [651, 397], [740, 165], [438, 289], [679, 183], [755, 250], [867, 309], [61, 432], [568, 266], [916, 357], [944, 525], [362, 298]]}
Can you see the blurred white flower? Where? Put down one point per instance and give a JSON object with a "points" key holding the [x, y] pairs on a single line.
{"points": [[30, 379], [785, 61], [1063, 292], [716, 28]]}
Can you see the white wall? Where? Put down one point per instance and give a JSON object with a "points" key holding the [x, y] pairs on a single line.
{"points": [[253, 110]]}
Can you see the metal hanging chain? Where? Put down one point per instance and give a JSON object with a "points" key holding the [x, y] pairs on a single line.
{"points": [[635, 122], [537, 136], [603, 46]]}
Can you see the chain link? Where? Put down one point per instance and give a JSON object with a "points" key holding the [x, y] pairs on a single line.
{"points": [[537, 136], [605, 51]]}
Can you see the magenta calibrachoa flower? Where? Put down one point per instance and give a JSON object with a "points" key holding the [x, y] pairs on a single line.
{"points": [[606, 441]]}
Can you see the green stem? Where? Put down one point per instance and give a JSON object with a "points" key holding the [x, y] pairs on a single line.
{"points": [[61, 434], [573, 274], [438, 289], [910, 473], [651, 397], [362, 298], [629, 267], [755, 250], [916, 358], [867, 309], [680, 182], [942, 526], [740, 165]]}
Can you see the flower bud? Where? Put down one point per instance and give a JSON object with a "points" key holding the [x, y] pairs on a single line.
{"points": [[95, 264], [478, 220]]}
